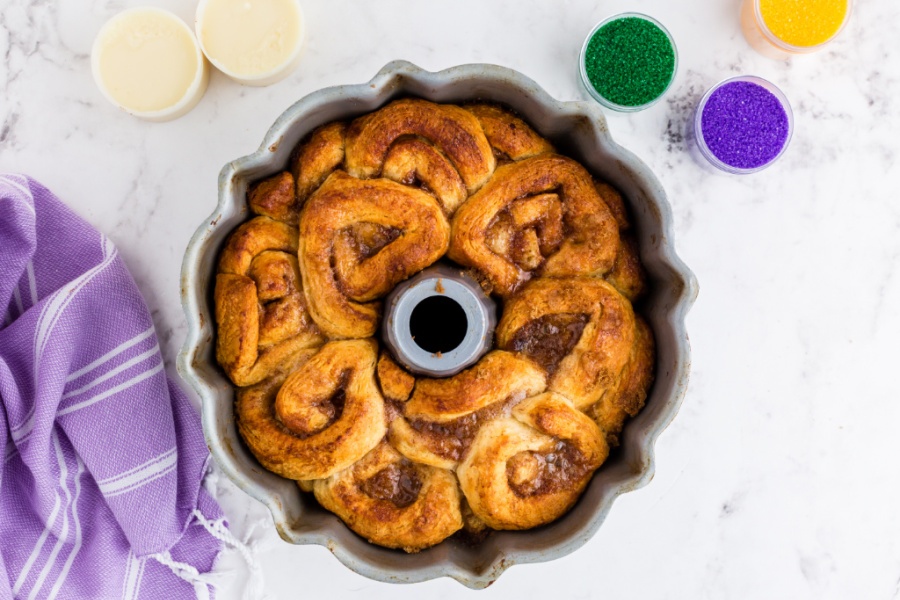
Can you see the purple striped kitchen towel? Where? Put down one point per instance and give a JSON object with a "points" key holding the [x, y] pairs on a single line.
{"points": [[103, 456]]}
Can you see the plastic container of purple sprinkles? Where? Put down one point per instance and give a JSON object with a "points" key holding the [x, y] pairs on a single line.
{"points": [[743, 124]]}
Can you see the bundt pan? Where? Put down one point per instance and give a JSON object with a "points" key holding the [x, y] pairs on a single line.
{"points": [[578, 129]]}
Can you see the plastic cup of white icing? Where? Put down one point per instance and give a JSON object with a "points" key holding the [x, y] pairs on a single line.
{"points": [[255, 42], [147, 62]]}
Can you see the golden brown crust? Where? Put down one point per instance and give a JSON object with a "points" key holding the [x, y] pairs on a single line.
{"points": [[444, 415], [315, 159], [253, 237], [341, 274], [615, 203], [396, 384], [627, 398], [528, 469], [595, 362], [261, 310], [412, 161], [393, 502], [453, 131], [628, 275], [323, 417], [508, 135], [591, 234], [497, 377], [275, 198]]}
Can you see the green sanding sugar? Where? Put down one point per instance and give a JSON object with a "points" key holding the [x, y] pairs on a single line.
{"points": [[630, 61]]}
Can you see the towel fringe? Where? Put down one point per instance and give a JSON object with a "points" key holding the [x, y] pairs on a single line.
{"points": [[217, 529], [187, 572]]}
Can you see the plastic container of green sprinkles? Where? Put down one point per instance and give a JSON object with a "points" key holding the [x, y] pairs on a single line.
{"points": [[628, 62]]}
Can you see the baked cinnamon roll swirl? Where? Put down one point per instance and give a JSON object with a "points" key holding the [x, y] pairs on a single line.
{"points": [[509, 136], [441, 418], [627, 274], [528, 469], [275, 198], [316, 158], [393, 502], [358, 239], [412, 161], [261, 311], [322, 417], [581, 330], [454, 133], [396, 384], [627, 397], [541, 215]]}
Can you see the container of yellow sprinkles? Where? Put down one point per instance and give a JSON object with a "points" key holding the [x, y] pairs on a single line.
{"points": [[782, 28]]}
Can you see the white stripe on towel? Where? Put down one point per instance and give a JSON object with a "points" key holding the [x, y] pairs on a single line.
{"points": [[22, 431], [59, 300], [153, 460], [64, 530], [112, 391], [32, 284], [154, 351], [111, 354], [140, 478], [26, 568], [132, 576], [77, 546]]}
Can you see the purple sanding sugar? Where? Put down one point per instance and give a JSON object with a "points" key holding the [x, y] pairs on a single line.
{"points": [[744, 125]]}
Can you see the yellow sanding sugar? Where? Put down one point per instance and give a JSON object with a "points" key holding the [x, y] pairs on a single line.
{"points": [[803, 22]]}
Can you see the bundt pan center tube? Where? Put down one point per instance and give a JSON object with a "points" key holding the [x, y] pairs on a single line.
{"points": [[577, 130], [438, 322]]}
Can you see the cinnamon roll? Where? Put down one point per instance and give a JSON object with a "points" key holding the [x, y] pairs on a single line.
{"points": [[455, 134], [542, 216], [510, 137], [321, 418], [441, 418], [358, 239], [412, 161], [407, 461], [586, 336], [626, 398], [316, 158], [528, 469], [392, 501], [261, 311], [581, 330], [275, 198], [396, 384], [627, 274]]}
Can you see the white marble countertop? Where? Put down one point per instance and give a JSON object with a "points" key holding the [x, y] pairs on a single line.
{"points": [[775, 479]]}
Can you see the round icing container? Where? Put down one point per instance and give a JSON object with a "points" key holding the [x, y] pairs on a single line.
{"points": [[743, 124], [255, 42], [147, 62], [628, 62], [783, 28]]}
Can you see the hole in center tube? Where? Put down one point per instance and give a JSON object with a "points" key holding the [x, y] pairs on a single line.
{"points": [[438, 324]]}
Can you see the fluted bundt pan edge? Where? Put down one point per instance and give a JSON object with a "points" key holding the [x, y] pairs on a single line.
{"points": [[578, 129]]}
